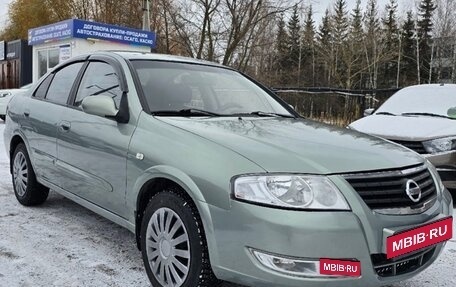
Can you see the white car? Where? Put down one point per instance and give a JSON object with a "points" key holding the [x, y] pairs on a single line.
{"points": [[6, 95], [422, 118]]}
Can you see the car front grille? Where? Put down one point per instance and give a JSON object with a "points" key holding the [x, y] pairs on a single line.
{"points": [[413, 145], [387, 189], [393, 267]]}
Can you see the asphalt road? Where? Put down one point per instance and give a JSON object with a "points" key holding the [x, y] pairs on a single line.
{"points": [[63, 244]]}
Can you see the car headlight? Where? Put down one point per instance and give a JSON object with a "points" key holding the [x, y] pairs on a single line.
{"points": [[440, 145], [290, 191]]}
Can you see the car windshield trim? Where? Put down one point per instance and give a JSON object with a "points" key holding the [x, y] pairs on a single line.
{"points": [[263, 114], [386, 113], [426, 114], [186, 113]]}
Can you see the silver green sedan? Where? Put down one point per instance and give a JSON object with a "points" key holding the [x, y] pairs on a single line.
{"points": [[221, 180]]}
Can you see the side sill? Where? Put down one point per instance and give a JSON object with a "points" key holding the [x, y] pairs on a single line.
{"points": [[91, 206]]}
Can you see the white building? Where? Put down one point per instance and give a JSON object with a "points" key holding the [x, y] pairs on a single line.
{"points": [[55, 43]]}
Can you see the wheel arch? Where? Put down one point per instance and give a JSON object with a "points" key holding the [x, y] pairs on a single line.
{"points": [[14, 142], [155, 180]]}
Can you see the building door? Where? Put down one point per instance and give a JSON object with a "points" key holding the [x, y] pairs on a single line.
{"points": [[3, 74], [13, 74]]}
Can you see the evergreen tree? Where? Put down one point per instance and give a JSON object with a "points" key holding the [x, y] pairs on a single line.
{"points": [[282, 50], [325, 48], [425, 25], [294, 32], [325, 30], [372, 43], [309, 28], [356, 30], [408, 63], [356, 39], [340, 21], [391, 41], [308, 48], [371, 20], [341, 53]]}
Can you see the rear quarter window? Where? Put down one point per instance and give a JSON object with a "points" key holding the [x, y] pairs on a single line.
{"points": [[63, 81], [40, 93]]}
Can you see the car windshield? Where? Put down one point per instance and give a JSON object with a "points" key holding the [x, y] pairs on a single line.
{"points": [[173, 88], [421, 100]]}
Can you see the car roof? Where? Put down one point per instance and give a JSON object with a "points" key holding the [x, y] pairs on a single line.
{"points": [[134, 55], [427, 86]]}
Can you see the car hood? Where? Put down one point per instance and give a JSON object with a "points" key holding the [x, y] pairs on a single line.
{"points": [[297, 145], [413, 128]]}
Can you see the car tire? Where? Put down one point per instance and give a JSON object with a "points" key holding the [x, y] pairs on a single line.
{"points": [[2, 117], [170, 218], [27, 189]]}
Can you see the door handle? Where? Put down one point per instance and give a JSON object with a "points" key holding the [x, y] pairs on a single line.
{"points": [[65, 126], [27, 113]]}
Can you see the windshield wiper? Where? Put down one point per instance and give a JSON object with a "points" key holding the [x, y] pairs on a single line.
{"points": [[185, 113], [426, 114], [265, 114], [385, 113]]}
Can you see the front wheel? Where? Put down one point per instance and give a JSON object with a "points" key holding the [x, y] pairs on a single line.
{"points": [[27, 189], [2, 117], [173, 244]]}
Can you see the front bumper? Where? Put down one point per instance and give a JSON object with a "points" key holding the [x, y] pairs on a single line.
{"points": [[446, 166], [313, 235]]}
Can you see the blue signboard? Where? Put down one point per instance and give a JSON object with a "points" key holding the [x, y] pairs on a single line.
{"points": [[76, 28], [53, 32]]}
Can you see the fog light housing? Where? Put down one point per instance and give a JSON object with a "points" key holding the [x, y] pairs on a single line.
{"points": [[297, 267]]}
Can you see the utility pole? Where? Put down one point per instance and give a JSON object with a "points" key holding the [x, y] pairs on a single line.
{"points": [[432, 60], [418, 60], [399, 61], [299, 63], [146, 15], [453, 76]]}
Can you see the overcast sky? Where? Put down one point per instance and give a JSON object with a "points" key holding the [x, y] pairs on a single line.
{"points": [[3, 11], [321, 6]]}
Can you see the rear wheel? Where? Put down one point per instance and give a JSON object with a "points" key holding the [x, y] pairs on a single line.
{"points": [[173, 244], [26, 188], [2, 117]]}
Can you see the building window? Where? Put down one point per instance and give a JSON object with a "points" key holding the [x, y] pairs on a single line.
{"points": [[47, 59]]}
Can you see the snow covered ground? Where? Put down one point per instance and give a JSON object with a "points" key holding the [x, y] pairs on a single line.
{"points": [[63, 244]]}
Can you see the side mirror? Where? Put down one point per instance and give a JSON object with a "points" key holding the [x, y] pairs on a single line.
{"points": [[291, 106], [452, 113], [100, 105], [368, 112], [5, 94]]}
